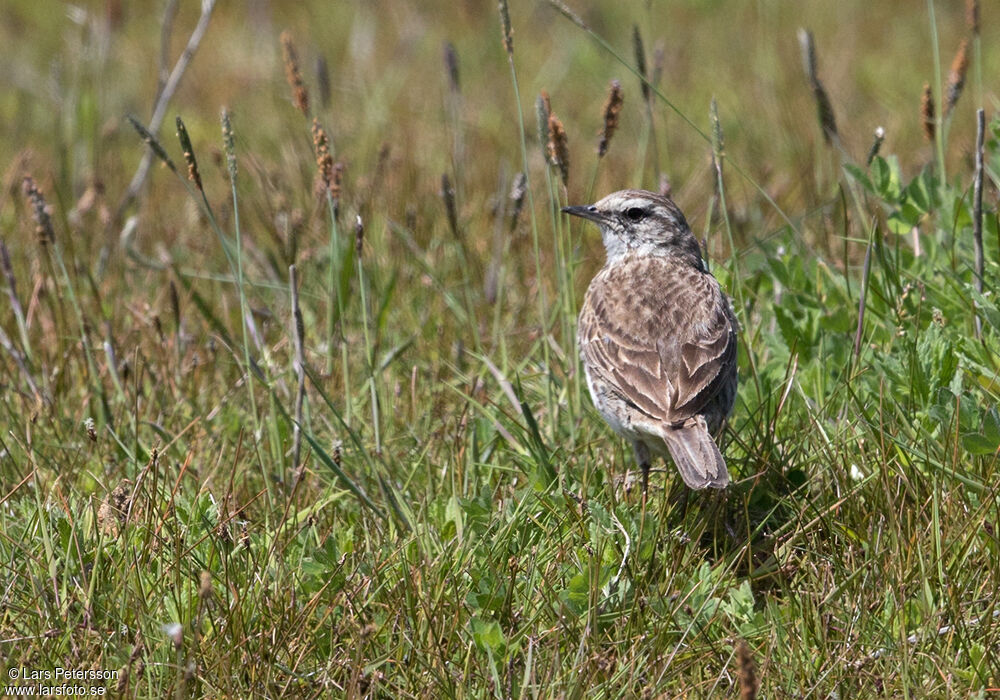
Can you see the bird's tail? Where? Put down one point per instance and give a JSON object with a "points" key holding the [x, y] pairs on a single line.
{"points": [[696, 455]]}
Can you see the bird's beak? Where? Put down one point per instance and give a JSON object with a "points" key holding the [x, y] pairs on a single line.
{"points": [[590, 212]]}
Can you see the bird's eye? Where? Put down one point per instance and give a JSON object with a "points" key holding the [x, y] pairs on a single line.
{"points": [[635, 214]]}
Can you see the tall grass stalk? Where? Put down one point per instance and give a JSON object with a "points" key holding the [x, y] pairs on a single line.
{"points": [[335, 326], [230, 148], [736, 278], [939, 97], [49, 239], [526, 169], [359, 232], [15, 302]]}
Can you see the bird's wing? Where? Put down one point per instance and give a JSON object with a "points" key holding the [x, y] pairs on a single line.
{"points": [[704, 352], [660, 333]]}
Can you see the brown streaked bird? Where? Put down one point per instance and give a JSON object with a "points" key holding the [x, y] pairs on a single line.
{"points": [[657, 337]]}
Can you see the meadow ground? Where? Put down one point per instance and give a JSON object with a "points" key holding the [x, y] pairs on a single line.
{"points": [[312, 422]]}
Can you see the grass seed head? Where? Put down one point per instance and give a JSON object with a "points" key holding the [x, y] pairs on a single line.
{"points": [[518, 191], [566, 12], [451, 67], [876, 144], [359, 235], [558, 147], [659, 65], [293, 75], [323, 81], [612, 108], [640, 61], [324, 160], [229, 144], [666, 189], [543, 107], [448, 195], [718, 140], [956, 77], [542, 110], [175, 633], [192, 163], [39, 210], [927, 112], [154, 145], [972, 16], [205, 585], [508, 33], [808, 49], [824, 108], [336, 179]]}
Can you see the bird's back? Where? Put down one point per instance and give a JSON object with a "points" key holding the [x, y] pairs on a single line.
{"points": [[661, 332]]}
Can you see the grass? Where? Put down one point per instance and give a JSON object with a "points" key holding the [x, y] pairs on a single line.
{"points": [[422, 502]]}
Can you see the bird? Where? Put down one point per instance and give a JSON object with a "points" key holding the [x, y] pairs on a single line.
{"points": [[657, 337]]}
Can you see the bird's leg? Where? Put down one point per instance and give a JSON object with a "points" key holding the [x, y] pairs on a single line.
{"points": [[643, 458]]}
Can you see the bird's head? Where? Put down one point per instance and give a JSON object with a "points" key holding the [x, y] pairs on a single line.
{"points": [[642, 223]]}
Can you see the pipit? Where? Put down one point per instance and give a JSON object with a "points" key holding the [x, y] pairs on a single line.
{"points": [[657, 337]]}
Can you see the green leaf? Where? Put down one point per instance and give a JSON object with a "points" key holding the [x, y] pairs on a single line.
{"points": [[977, 444], [488, 635], [546, 473], [859, 176], [921, 192], [991, 425], [886, 178]]}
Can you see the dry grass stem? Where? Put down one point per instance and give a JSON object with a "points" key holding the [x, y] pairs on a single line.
{"points": [[300, 94], [718, 144], [956, 77], [977, 210], [192, 163], [558, 148], [927, 112], [298, 364], [612, 108], [748, 681]]}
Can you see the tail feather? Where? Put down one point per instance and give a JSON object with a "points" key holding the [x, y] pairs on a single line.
{"points": [[696, 455]]}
